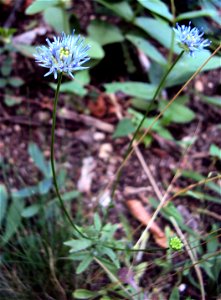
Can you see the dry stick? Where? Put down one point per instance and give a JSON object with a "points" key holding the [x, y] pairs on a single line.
{"points": [[139, 154], [56, 282], [209, 213], [148, 173], [191, 186], [191, 255]]}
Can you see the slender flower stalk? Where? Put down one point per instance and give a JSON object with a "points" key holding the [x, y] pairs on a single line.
{"points": [[52, 155], [65, 54]]}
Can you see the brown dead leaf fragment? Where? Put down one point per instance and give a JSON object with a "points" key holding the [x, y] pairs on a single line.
{"points": [[98, 108], [139, 212]]}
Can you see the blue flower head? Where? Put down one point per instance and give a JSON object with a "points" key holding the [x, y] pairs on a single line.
{"points": [[190, 39], [65, 54]]}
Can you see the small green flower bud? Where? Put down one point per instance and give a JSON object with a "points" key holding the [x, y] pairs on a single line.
{"points": [[176, 243]]}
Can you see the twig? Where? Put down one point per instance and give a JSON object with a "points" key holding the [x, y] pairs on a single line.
{"points": [[139, 154], [58, 286], [87, 120], [20, 120], [191, 186], [209, 213], [64, 114]]}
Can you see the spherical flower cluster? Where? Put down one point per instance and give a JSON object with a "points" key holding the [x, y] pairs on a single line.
{"points": [[176, 244], [65, 54], [190, 39]]}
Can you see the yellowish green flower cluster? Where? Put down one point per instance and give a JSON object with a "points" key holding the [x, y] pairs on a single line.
{"points": [[176, 243]]}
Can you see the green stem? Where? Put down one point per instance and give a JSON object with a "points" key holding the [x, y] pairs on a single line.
{"points": [[170, 55], [52, 158], [143, 119]]}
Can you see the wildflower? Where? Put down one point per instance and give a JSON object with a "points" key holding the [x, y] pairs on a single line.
{"points": [[65, 54], [176, 243], [190, 39]]}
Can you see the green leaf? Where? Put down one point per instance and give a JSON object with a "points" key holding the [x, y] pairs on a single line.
{"points": [[71, 87], [135, 89], [11, 100], [197, 177], [168, 211], [56, 17], [137, 117], [6, 66], [3, 82], [83, 294], [78, 245], [177, 113], [202, 196], [96, 51], [211, 100], [69, 196], [158, 30], [147, 48], [97, 222], [39, 160], [212, 244], [104, 33], [15, 81], [39, 6], [122, 9], [110, 253], [157, 7], [3, 202], [215, 151], [25, 192], [175, 295], [124, 127], [44, 186], [140, 104], [13, 219], [82, 77], [26, 50], [196, 14], [30, 211], [187, 65], [84, 264]]}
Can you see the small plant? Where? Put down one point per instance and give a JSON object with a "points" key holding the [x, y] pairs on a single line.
{"points": [[7, 80], [100, 243]]}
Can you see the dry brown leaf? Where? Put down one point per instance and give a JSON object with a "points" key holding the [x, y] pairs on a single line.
{"points": [[139, 212], [98, 108]]}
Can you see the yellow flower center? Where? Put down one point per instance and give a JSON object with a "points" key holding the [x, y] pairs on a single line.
{"points": [[190, 38], [64, 52]]}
